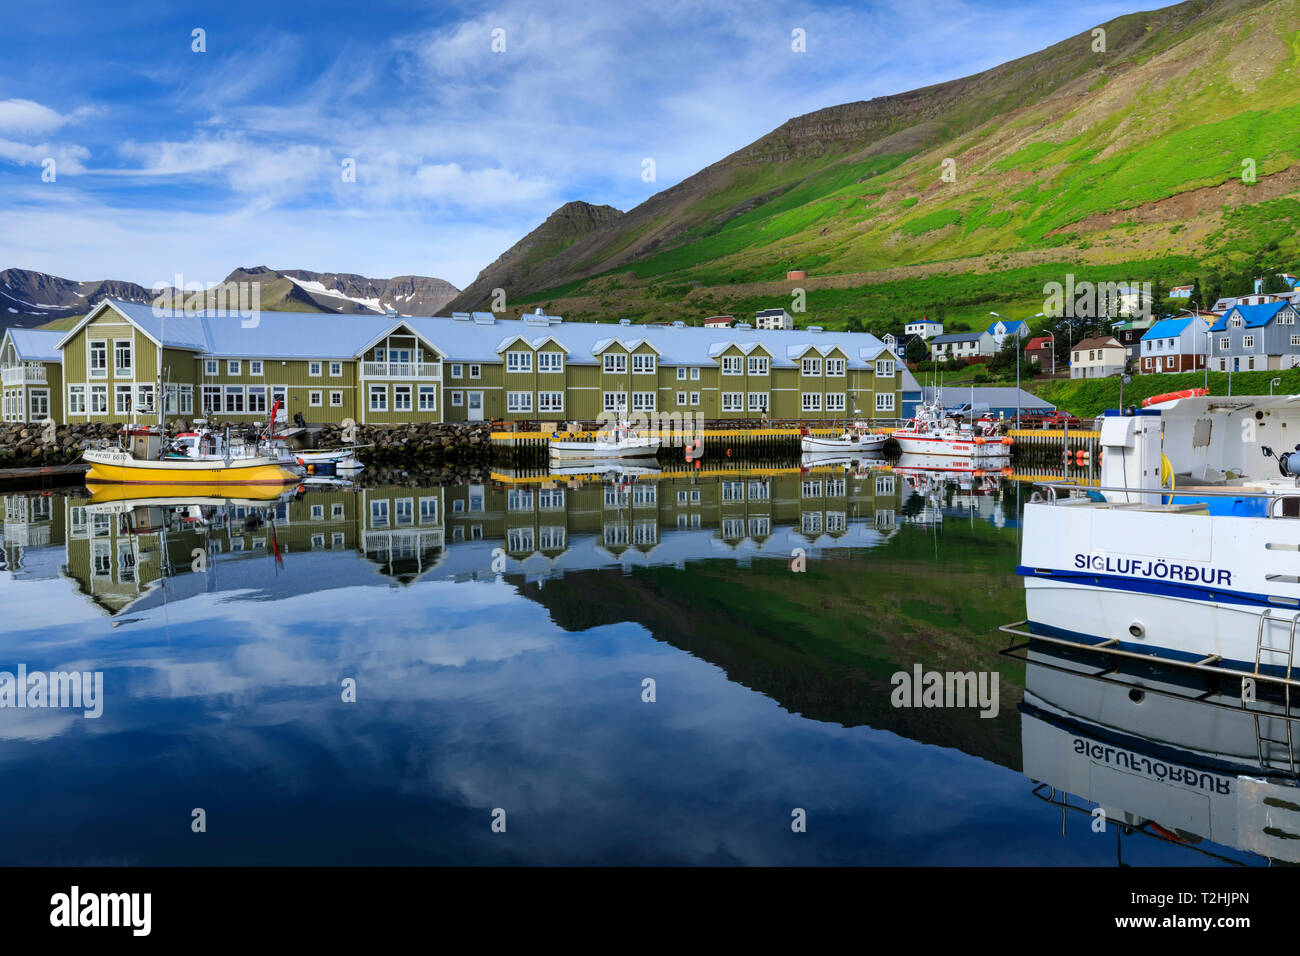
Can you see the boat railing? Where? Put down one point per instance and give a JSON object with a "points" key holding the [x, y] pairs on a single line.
{"points": [[1279, 496]]}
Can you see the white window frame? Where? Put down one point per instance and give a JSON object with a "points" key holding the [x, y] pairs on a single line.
{"points": [[100, 346], [885, 368], [759, 365], [457, 370], [643, 364], [76, 399], [519, 362], [836, 402], [733, 401], [836, 368], [336, 398], [128, 346], [233, 367], [643, 401], [427, 398], [614, 401], [810, 401], [550, 401], [336, 369], [759, 401], [211, 367], [884, 401], [403, 398], [457, 399], [377, 392], [731, 365], [519, 402], [811, 368], [614, 363], [550, 363], [314, 369]]}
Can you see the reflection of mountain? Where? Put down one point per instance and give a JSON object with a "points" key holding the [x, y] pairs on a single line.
{"points": [[1166, 755], [704, 566], [824, 643]]}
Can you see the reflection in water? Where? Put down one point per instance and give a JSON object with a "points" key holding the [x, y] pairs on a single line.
{"points": [[1165, 755], [499, 634]]}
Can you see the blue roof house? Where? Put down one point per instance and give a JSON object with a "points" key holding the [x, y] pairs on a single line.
{"points": [[1001, 329], [1256, 338], [1174, 345]]}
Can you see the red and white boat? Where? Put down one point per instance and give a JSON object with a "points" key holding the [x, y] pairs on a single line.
{"points": [[932, 432]]}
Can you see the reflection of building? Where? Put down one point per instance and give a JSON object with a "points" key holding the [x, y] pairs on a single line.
{"points": [[118, 551], [1166, 756], [33, 530]]}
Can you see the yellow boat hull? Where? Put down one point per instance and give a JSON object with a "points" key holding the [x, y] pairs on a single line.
{"points": [[101, 494], [119, 468]]}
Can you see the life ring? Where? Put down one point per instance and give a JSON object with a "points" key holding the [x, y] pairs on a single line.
{"points": [[1172, 396]]}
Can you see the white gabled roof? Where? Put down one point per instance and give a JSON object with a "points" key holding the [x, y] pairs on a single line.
{"points": [[302, 335]]}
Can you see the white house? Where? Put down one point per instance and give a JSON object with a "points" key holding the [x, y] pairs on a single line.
{"points": [[926, 328], [1097, 357], [961, 345], [773, 319]]}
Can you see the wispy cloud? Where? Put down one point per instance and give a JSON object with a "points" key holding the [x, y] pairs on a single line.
{"points": [[454, 144]]}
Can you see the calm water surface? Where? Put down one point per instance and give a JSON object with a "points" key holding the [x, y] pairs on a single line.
{"points": [[500, 635]]}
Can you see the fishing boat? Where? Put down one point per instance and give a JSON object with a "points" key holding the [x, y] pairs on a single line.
{"points": [[205, 443], [139, 459], [932, 432], [606, 444], [1189, 547], [857, 437]]}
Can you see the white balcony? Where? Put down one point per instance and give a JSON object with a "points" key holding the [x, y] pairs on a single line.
{"points": [[32, 373], [421, 370]]}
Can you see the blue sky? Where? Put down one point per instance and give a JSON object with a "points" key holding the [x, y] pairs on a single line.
{"points": [[172, 161]]}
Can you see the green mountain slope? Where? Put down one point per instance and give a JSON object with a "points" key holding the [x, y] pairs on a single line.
{"points": [[1115, 165]]}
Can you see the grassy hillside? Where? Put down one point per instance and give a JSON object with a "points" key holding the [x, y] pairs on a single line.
{"points": [[62, 325], [1117, 165]]}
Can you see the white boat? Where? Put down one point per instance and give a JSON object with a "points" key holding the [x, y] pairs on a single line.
{"points": [[858, 437], [606, 444], [932, 432], [1204, 569], [205, 444], [610, 468]]}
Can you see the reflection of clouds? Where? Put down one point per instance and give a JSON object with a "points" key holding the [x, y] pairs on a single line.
{"points": [[470, 698]]}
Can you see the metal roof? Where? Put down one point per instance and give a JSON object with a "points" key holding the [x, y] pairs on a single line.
{"points": [[1168, 328], [325, 335], [36, 345], [1254, 315]]}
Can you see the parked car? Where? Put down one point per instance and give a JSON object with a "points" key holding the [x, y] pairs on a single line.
{"points": [[966, 410]]}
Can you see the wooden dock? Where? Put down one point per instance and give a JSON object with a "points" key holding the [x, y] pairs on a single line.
{"points": [[45, 476]]}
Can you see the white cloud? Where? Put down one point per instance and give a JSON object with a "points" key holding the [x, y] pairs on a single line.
{"points": [[28, 116]]}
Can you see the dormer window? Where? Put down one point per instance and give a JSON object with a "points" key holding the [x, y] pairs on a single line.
{"points": [[615, 363], [519, 361]]}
